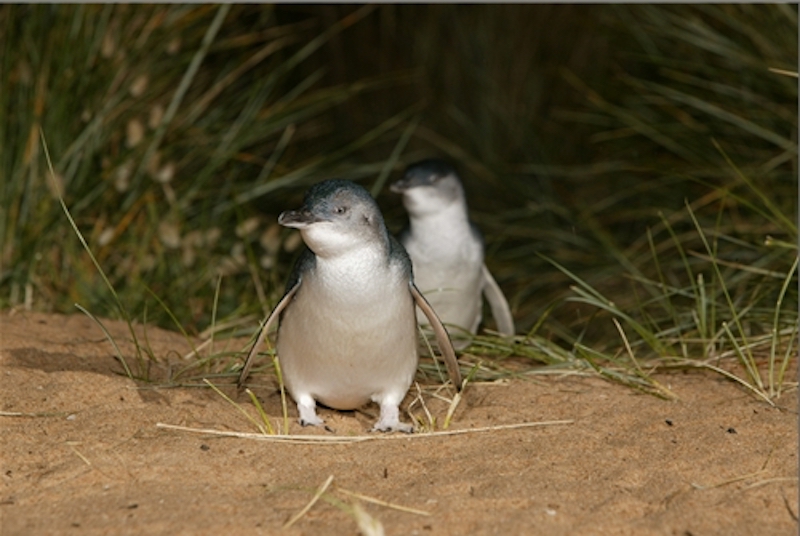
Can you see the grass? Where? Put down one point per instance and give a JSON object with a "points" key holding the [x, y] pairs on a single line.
{"points": [[339, 440], [639, 197], [117, 120], [367, 524]]}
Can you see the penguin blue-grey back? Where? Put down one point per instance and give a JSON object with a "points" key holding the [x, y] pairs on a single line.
{"points": [[447, 251], [347, 324]]}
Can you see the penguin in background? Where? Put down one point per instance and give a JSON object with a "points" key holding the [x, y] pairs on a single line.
{"points": [[447, 251], [348, 328]]}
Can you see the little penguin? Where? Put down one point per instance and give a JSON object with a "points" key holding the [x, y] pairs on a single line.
{"points": [[348, 331], [447, 251]]}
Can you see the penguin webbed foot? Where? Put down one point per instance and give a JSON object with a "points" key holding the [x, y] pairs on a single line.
{"points": [[320, 424], [308, 414], [303, 422], [396, 427], [389, 421]]}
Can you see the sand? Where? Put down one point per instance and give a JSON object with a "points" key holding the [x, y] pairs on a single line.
{"points": [[83, 453]]}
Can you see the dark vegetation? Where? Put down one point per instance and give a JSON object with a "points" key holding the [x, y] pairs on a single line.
{"points": [[634, 168]]}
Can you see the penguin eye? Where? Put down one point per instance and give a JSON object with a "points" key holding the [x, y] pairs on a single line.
{"points": [[341, 209]]}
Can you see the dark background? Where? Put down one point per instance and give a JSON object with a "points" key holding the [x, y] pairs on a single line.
{"points": [[579, 132]]}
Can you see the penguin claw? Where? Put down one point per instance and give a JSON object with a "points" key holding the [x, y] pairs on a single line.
{"points": [[393, 427], [312, 422]]}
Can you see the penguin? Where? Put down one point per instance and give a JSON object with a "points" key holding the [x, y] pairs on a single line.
{"points": [[447, 251], [347, 330]]}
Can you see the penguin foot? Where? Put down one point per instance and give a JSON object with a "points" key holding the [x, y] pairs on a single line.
{"points": [[389, 420], [398, 426], [317, 422], [308, 414]]}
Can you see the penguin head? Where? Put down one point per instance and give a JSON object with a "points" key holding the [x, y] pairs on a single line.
{"points": [[428, 187], [337, 216]]}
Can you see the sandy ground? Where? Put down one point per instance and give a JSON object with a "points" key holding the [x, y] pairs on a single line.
{"points": [[82, 454]]}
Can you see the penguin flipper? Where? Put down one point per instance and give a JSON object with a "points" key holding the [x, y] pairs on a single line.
{"points": [[498, 303], [248, 363], [442, 338]]}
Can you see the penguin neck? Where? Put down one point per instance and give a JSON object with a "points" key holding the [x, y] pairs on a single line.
{"points": [[355, 269], [448, 224]]}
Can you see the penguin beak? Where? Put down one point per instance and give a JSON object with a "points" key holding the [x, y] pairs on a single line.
{"points": [[399, 187], [297, 219]]}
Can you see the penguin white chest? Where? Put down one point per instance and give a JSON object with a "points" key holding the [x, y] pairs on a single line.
{"points": [[448, 272], [350, 335]]}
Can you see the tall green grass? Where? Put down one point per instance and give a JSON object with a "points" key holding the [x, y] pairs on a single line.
{"points": [[163, 123], [700, 213], [637, 183]]}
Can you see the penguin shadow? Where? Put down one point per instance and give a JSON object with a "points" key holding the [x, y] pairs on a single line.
{"points": [[59, 362], [50, 362]]}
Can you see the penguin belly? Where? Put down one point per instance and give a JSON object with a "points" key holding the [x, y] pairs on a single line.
{"points": [[348, 350]]}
